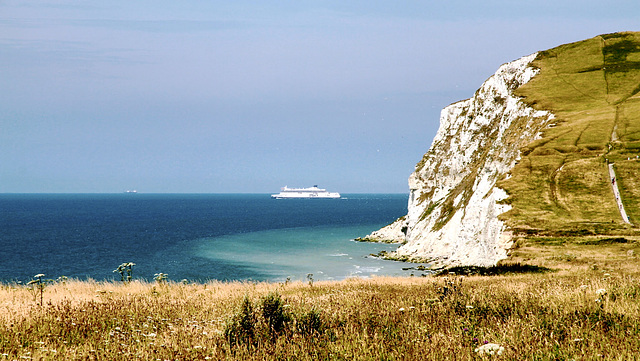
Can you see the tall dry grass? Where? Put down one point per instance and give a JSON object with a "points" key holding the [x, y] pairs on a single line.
{"points": [[532, 316]]}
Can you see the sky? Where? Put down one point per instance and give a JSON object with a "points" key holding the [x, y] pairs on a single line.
{"points": [[249, 96]]}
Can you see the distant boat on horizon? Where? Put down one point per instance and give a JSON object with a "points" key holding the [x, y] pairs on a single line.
{"points": [[131, 191], [311, 192]]}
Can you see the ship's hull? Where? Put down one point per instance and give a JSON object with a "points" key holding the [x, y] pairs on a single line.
{"points": [[311, 192], [288, 195]]}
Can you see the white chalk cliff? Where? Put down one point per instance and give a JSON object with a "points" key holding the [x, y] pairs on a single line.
{"points": [[454, 203]]}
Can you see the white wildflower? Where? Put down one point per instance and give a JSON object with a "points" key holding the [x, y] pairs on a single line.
{"points": [[601, 292], [489, 349], [401, 309], [469, 307]]}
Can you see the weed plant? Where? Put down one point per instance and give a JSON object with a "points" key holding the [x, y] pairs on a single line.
{"points": [[126, 271], [161, 278], [38, 283]]}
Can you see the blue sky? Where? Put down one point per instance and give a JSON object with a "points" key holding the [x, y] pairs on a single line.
{"points": [[249, 96]]}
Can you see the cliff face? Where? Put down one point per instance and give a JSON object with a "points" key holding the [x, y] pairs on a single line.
{"points": [[497, 165], [454, 203]]}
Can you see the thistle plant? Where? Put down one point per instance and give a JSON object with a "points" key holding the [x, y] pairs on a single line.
{"points": [[126, 271], [38, 284]]}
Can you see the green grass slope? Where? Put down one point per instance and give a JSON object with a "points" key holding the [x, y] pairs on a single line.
{"points": [[561, 184]]}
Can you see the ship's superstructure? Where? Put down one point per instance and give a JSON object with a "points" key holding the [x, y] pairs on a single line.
{"points": [[311, 192]]}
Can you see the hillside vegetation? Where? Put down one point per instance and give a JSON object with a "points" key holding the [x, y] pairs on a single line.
{"points": [[561, 185], [577, 299]]}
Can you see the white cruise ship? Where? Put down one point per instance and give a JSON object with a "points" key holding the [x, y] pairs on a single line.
{"points": [[311, 192]]}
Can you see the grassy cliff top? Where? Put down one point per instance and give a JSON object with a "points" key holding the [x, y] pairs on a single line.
{"points": [[561, 184]]}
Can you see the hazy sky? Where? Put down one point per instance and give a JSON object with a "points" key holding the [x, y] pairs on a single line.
{"points": [[249, 96]]}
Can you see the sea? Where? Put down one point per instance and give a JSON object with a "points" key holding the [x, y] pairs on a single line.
{"points": [[195, 237]]}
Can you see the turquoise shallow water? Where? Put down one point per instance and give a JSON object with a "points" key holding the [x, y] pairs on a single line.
{"points": [[326, 252], [197, 237]]}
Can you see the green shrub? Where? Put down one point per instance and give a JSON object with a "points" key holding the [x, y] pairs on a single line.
{"points": [[241, 329], [274, 315], [310, 323], [253, 330]]}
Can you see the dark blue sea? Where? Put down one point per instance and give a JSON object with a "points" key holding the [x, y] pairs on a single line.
{"points": [[197, 237]]}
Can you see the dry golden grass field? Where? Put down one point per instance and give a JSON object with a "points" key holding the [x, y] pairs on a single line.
{"points": [[555, 299]]}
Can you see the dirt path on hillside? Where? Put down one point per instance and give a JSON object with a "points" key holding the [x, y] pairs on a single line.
{"points": [[612, 172], [616, 192], [553, 187], [614, 180]]}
